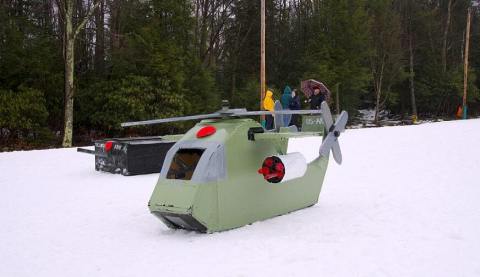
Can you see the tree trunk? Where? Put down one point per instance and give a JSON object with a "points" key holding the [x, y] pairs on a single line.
{"points": [[69, 88], [412, 76], [196, 33], [337, 100], [114, 25], [445, 36], [377, 100], [100, 40], [66, 8], [81, 45], [234, 87], [204, 29], [378, 88]]}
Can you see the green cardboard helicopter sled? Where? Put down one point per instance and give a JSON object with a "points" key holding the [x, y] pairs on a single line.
{"points": [[228, 171]]}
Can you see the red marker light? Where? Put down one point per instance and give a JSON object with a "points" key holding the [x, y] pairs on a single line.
{"points": [[108, 146], [206, 131]]}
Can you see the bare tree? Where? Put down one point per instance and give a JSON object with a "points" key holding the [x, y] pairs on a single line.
{"points": [[70, 33], [211, 19], [100, 38], [408, 9], [385, 55], [445, 34]]}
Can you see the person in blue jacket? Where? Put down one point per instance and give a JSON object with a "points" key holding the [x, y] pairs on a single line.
{"points": [[286, 97], [285, 100]]}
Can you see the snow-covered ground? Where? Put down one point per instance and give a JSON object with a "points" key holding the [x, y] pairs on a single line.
{"points": [[406, 202]]}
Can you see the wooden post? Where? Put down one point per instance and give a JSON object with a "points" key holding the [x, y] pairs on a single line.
{"points": [[262, 54], [465, 65]]}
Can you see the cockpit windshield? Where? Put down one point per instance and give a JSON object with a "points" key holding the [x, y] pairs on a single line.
{"points": [[195, 161], [184, 163]]}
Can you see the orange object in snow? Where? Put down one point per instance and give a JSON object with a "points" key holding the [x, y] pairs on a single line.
{"points": [[459, 113]]}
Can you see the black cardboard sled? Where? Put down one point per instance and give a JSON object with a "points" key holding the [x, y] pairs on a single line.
{"points": [[130, 156]]}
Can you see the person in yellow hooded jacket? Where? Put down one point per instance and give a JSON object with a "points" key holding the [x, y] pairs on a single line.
{"points": [[268, 105]]}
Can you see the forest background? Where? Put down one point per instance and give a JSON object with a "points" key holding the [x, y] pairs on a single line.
{"points": [[87, 65]]}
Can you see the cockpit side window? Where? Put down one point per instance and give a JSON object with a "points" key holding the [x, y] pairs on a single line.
{"points": [[215, 169], [184, 163]]}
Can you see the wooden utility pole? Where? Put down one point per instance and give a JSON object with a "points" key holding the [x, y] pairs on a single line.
{"points": [[262, 53], [465, 65]]}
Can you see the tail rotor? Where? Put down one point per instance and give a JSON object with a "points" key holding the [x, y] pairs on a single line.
{"points": [[334, 131]]}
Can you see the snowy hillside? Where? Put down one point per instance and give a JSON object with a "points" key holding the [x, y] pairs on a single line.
{"points": [[406, 202]]}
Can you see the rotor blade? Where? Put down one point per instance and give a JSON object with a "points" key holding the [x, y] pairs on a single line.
{"points": [[171, 119], [326, 115], [327, 144], [278, 118], [276, 112], [337, 153], [216, 115], [341, 122]]}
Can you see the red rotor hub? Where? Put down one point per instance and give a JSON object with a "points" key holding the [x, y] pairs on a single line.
{"points": [[272, 169]]}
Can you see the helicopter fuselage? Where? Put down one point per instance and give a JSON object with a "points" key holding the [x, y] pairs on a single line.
{"points": [[211, 183]]}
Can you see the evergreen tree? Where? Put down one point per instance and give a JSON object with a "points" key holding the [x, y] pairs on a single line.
{"points": [[338, 48], [157, 58]]}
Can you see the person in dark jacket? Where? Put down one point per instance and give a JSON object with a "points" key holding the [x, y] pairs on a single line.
{"points": [[295, 105], [295, 102], [316, 99]]}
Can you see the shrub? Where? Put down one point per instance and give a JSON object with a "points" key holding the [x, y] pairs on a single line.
{"points": [[23, 113]]}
